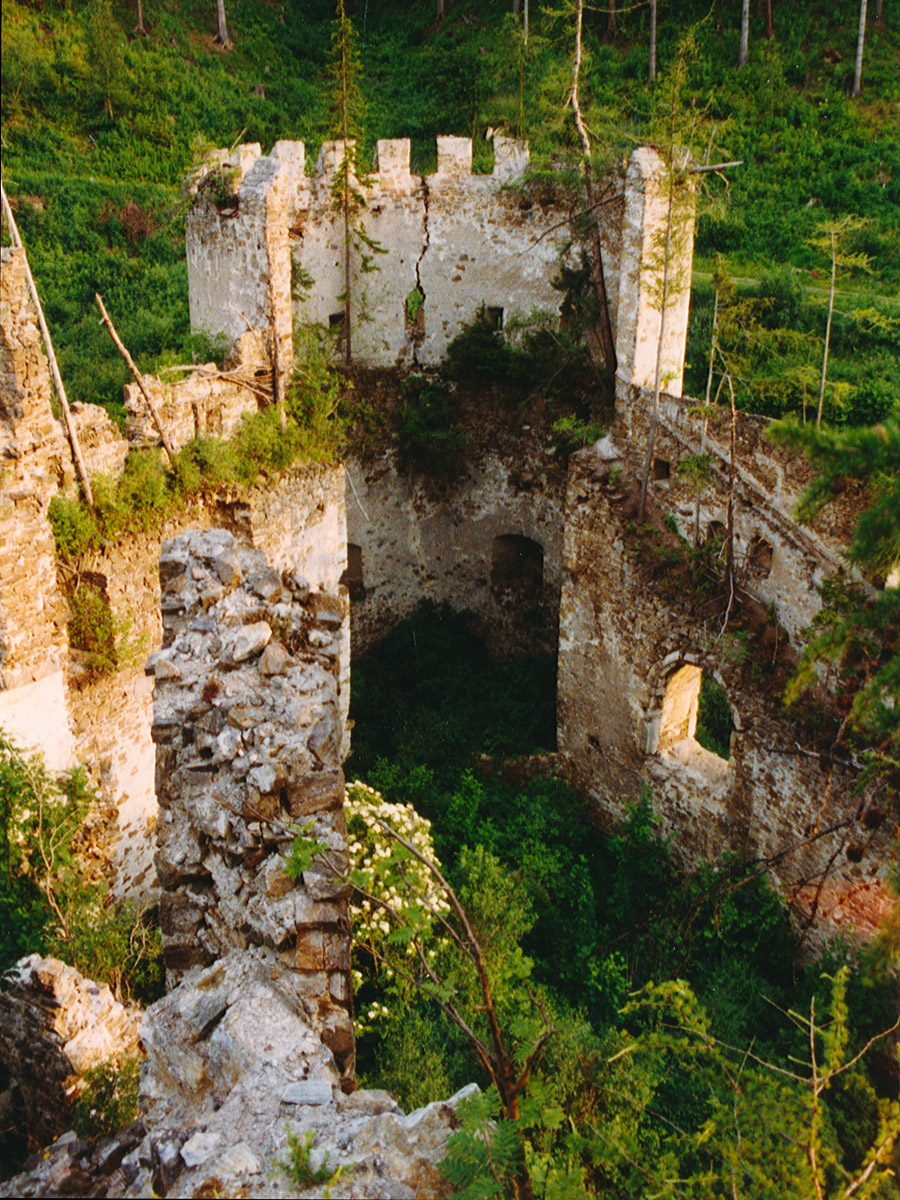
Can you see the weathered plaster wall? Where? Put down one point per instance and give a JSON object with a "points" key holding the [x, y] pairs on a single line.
{"points": [[657, 250], [419, 540], [465, 240], [247, 729], [625, 644]]}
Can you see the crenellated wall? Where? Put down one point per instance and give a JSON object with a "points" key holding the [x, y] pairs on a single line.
{"points": [[463, 240]]}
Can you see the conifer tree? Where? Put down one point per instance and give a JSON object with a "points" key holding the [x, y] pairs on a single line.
{"points": [[348, 113]]}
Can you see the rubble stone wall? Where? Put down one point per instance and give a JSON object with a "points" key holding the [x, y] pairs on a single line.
{"points": [[34, 463], [625, 719], [54, 1026], [247, 726]]}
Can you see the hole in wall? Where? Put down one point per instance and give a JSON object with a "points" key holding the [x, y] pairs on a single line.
{"points": [[493, 317], [696, 722], [759, 555], [517, 570], [662, 469], [352, 578], [414, 311]]}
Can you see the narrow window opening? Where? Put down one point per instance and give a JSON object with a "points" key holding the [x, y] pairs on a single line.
{"points": [[661, 468], [493, 317], [696, 720]]}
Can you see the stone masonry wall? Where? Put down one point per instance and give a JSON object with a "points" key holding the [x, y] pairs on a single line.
{"points": [[781, 561], [247, 727], [416, 542], [463, 240], [628, 652]]}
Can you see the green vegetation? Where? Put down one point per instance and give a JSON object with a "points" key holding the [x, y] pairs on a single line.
{"points": [[108, 1097], [714, 721], [47, 905], [147, 491], [99, 129], [626, 1094]]}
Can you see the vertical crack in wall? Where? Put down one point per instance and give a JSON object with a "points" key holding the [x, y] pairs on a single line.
{"points": [[425, 244]]}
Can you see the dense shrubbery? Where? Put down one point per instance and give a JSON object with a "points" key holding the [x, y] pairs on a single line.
{"points": [[45, 903], [596, 918]]}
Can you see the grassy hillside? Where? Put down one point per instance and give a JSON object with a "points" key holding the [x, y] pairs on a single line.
{"points": [[98, 195]]}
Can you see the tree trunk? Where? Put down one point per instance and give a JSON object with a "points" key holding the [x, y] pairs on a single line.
{"points": [[517, 6], [860, 46], [525, 23], [770, 28], [440, 10], [706, 402], [879, 12], [744, 51], [222, 38], [606, 338], [612, 23], [132, 367], [140, 29], [827, 329], [651, 70], [80, 467]]}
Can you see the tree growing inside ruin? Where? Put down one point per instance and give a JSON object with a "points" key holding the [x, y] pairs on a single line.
{"points": [[675, 131], [607, 343], [348, 114], [832, 238]]}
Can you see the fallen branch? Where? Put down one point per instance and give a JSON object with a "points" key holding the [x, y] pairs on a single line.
{"points": [[151, 403]]}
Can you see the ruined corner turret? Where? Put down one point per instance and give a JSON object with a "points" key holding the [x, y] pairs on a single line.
{"points": [[247, 726]]}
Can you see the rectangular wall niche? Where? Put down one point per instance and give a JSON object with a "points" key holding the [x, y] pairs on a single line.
{"points": [[517, 570], [352, 578]]}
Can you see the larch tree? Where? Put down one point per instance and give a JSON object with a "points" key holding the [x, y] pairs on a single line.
{"points": [[348, 111], [140, 29], [605, 333]]}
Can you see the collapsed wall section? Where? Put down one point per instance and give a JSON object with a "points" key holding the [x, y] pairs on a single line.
{"points": [[779, 561], [247, 726]]}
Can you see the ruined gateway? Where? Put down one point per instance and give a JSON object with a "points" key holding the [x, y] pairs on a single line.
{"points": [[224, 733]]}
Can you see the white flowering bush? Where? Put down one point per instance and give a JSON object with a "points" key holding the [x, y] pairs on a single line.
{"points": [[397, 902]]}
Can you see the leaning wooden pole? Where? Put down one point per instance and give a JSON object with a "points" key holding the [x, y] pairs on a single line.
{"points": [[51, 357], [151, 403]]}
